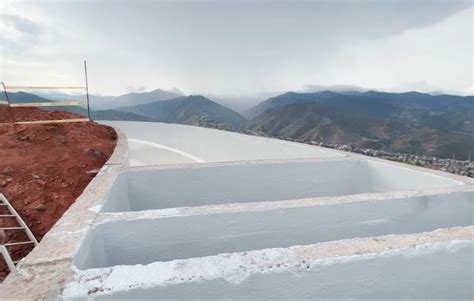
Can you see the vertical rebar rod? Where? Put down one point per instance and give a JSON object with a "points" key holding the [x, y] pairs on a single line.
{"points": [[87, 91]]}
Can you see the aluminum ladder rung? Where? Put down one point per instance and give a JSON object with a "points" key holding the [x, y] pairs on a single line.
{"points": [[18, 243], [12, 228], [22, 226]]}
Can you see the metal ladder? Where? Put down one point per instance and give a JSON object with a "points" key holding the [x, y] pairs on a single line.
{"points": [[22, 227]]}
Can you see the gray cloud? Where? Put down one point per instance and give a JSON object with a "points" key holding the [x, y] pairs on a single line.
{"points": [[18, 33], [136, 89], [21, 24], [244, 46]]}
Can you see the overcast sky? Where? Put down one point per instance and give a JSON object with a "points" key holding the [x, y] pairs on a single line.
{"points": [[224, 47]]}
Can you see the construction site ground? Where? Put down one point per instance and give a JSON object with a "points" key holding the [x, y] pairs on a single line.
{"points": [[45, 167]]}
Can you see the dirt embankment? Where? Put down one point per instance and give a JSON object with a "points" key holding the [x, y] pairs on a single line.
{"points": [[45, 167]]}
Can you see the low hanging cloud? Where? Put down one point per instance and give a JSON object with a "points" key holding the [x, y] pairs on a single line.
{"points": [[132, 89]]}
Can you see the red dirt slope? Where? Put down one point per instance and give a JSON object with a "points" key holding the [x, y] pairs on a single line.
{"points": [[45, 167]]}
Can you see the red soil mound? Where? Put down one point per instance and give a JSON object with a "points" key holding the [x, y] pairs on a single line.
{"points": [[45, 167]]}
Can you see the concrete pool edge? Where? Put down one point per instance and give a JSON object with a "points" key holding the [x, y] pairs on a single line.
{"points": [[235, 267]]}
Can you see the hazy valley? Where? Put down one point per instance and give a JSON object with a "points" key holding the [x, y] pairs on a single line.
{"points": [[412, 122]]}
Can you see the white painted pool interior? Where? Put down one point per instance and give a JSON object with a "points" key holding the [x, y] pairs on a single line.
{"points": [[148, 139], [143, 241], [193, 171], [168, 188]]}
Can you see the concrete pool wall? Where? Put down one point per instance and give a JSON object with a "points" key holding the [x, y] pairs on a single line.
{"points": [[207, 145], [159, 189], [144, 241]]}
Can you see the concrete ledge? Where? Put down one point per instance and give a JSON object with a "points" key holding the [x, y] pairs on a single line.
{"points": [[236, 267], [105, 217], [120, 154]]}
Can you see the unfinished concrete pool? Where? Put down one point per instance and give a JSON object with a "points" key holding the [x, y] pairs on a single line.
{"points": [[143, 241], [190, 212], [159, 189]]}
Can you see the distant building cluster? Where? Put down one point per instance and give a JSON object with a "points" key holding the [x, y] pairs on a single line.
{"points": [[459, 167]]}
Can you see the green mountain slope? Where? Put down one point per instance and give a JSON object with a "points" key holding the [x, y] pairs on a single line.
{"points": [[407, 122], [187, 110]]}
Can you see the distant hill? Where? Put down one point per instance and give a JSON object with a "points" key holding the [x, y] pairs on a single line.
{"points": [[286, 99], [340, 120], [117, 115], [132, 99], [408, 122], [23, 97], [187, 110], [408, 99], [112, 102]]}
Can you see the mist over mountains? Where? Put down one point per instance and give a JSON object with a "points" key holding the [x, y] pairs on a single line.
{"points": [[411, 122]]}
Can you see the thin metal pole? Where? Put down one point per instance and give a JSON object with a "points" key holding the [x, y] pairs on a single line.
{"points": [[87, 91], [9, 107]]}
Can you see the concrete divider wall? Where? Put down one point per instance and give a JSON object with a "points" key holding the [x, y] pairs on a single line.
{"points": [[119, 193], [143, 241], [435, 272], [158, 189], [87, 256]]}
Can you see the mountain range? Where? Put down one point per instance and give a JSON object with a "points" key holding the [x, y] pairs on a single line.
{"points": [[412, 122], [112, 102], [191, 109]]}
